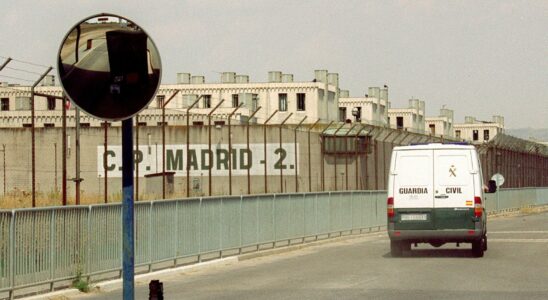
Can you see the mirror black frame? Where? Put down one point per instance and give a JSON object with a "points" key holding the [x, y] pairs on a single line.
{"points": [[492, 186], [115, 73]]}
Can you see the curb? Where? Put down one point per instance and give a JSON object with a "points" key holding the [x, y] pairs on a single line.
{"points": [[306, 244], [115, 284], [62, 294]]}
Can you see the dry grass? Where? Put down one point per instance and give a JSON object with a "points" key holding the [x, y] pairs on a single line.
{"points": [[21, 199], [533, 209]]}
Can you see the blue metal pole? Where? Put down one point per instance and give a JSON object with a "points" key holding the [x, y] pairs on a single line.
{"points": [[128, 259]]}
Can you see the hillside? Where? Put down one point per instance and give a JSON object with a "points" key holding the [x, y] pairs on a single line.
{"points": [[534, 134]]}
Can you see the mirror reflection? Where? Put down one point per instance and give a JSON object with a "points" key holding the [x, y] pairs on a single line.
{"points": [[109, 67]]}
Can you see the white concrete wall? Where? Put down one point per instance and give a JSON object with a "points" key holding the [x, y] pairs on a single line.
{"points": [[373, 110], [318, 104]]}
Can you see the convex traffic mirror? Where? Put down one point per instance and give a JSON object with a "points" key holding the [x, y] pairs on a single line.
{"points": [[109, 67]]}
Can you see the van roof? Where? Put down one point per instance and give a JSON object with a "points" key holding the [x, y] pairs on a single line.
{"points": [[434, 146]]}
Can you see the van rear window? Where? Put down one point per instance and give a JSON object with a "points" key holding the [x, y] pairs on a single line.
{"points": [[414, 170], [453, 170]]}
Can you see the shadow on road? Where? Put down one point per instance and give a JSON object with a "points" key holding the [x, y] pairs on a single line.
{"points": [[438, 253]]}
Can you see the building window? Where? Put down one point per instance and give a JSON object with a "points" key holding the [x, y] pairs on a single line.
{"points": [[5, 104], [475, 135], [342, 114], [254, 102], [282, 102], [301, 101], [457, 133], [432, 129], [219, 123], [357, 113], [206, 101], [22, 103], [51, 103], [160, 101], [84, 125], [49, 125], [486, 134], [141, 123], [198, 123], [235, 100], [399, 122]]}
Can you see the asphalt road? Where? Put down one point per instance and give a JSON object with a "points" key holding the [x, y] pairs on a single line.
{"points": [[514, 267]]}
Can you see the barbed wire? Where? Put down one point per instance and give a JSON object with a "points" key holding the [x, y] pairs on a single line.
{"points": [[17, 78], [24, 71], [24, 61]]}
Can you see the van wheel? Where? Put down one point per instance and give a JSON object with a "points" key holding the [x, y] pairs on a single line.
{"points": [[484, 243], [396, 248], [478, 247]]}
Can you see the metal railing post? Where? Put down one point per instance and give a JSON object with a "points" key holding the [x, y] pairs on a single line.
{"points": [[12, 255], [150, 209], [64, 152], [88, 235], [200, 218], [51, 249], [137, 160], [105, 124], [241, 225]]}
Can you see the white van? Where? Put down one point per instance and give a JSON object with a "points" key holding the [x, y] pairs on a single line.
{"points": [[435, 195]]}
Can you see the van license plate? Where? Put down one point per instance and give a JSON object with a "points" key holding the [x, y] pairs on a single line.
{"points": [[413, 217]]}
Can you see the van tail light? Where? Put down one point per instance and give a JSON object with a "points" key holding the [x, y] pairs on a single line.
{"points": [[478, 207], [390, 207]]}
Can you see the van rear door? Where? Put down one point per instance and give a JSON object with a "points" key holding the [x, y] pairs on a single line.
{"points": [[412, 177], [454, 189]]}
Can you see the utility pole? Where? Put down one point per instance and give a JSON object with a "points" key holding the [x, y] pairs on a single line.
{"points": [[248, 151], [77, 179], [296, 155], [282, 166], [229, 149], [33, 135], [188, 145], [310, 158], [164, 142], [265, 154], [209, 144]]}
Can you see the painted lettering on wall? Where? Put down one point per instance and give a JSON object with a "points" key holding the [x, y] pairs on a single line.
{"points": [[200, 159]]}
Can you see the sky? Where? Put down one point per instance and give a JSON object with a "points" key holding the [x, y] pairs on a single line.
{"points": [[479, 58]]}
